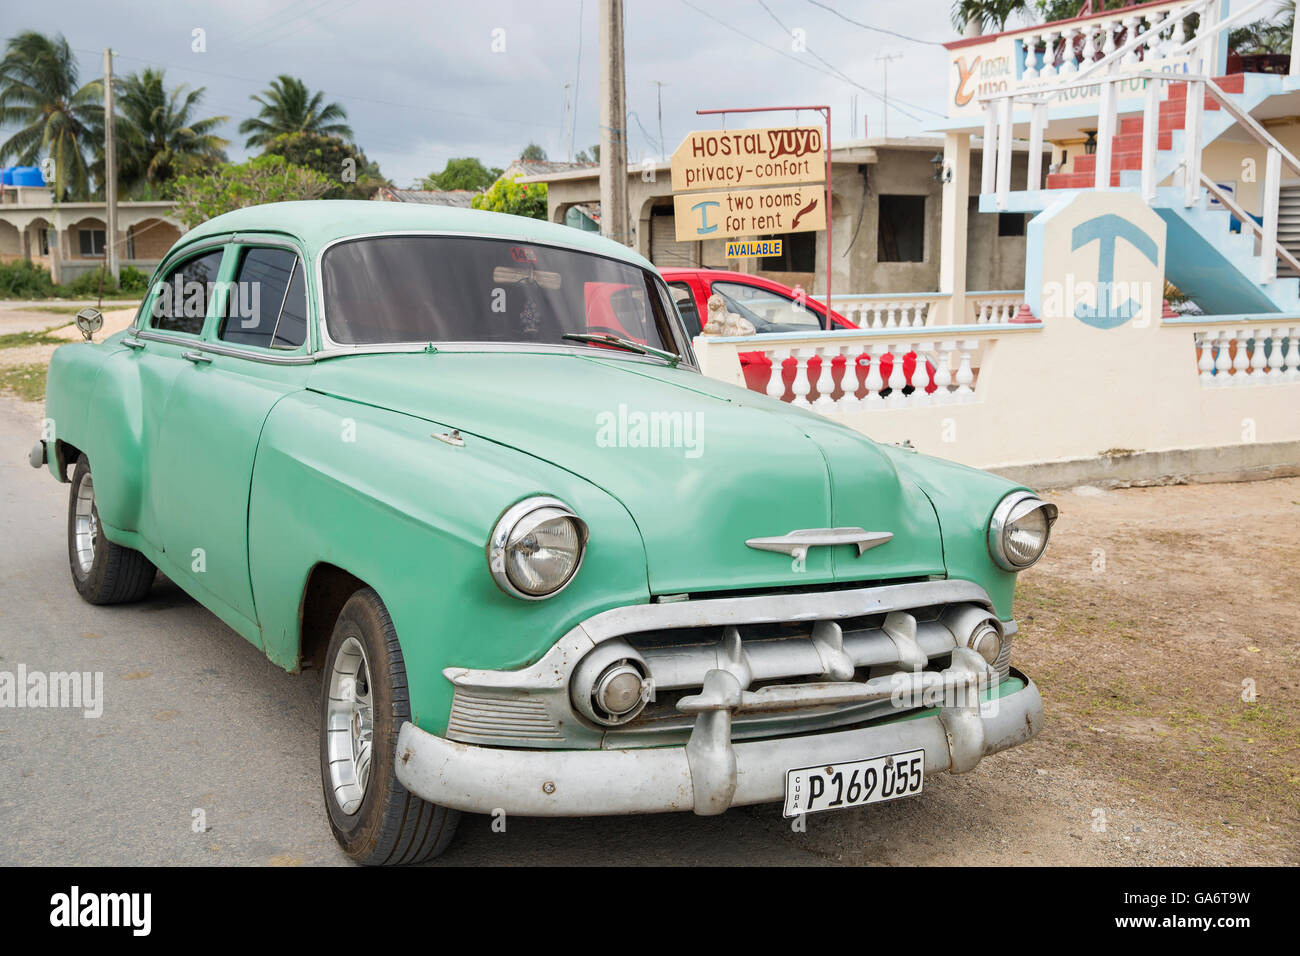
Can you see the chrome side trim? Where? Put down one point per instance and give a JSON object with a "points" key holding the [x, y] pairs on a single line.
{"points": [[797, 543], [188, 342]]}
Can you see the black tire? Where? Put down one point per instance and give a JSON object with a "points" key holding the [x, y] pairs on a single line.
{"points": [[114, 574], [392, 826]]}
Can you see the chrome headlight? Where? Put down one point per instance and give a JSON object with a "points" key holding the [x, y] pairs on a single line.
{"points": [[1019, 529], [536, 548]]}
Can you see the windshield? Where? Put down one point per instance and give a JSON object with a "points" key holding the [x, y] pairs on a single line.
{"points": [[394, 289], [768, 311]]}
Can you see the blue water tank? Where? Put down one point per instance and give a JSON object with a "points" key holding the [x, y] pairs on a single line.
{"points": [[27, 176], [6, 176]]}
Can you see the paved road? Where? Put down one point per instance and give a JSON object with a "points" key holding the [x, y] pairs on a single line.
{"points": [[195, 718]]}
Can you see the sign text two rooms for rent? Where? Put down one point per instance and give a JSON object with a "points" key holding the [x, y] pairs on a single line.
{"points": [[757, 178]]}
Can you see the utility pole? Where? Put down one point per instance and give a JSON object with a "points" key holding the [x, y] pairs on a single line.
{"points": [[884, 60], [613, 126], [564, 125], [110, 169], [659, 93]]}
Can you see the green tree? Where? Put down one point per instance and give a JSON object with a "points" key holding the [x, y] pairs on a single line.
{"points": [[287, 106], [1270, 34], [508, 195], [39, 93], [464, 173], [533, 152], [592, 156], [159, 136], [992, 15], [352, 174], [230, 186]]}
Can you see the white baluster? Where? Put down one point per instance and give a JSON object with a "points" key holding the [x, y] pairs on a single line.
{"points": [[1240, 362], [922, 314], [1291, 358], [1089, 46], [1031, 56], [943, 373], [982, 315], [1069, 61], [1275, 355], [848, 401], [1180, 33], [801, 386], [1049, 54], [905, 315], [920, 377], [776, 383], [874, 382], [1222, 361], [897, 379], [892, 321], [825, 379], [1111, 28], [965, 376], [1131, 32], [1256, 359], [1206, 362]]}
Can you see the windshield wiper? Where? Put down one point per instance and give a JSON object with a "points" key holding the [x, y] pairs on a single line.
{"points": [[604, 338]]}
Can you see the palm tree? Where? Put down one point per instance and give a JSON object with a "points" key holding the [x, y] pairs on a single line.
{"points": [[159, 135], [289, 107], [991, 15], [57, 118]]}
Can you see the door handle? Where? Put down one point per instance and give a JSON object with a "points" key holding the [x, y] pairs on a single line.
{"points": [[198, 358], [133, 344]]}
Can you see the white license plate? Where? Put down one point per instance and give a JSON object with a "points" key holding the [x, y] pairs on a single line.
{"points": [[839, 785]]}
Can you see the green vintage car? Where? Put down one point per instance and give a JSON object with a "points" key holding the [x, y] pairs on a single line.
{"points": [[465, 465]]}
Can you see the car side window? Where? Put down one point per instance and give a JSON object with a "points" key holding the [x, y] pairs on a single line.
{"points": [[775, 312], [684, 299], [267, 303], [181, 298]]}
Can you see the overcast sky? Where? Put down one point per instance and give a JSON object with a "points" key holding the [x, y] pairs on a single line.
{"points": [[421, 81]]}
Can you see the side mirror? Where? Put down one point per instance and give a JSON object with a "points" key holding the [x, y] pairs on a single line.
{"points": [[89, 321]]}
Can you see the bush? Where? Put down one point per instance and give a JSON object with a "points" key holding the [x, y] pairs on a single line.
{"points": [[87, 285], [21, 279], [132, 281]]}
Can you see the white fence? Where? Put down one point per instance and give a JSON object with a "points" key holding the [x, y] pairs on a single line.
{"points": [[1007, 394]]}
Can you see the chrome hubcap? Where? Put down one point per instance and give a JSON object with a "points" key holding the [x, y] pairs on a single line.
{"points": [[85, 524], [349, 725]]}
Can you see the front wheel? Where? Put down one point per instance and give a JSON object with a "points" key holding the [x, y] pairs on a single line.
{"points": [[364, 702], [103, 572]]}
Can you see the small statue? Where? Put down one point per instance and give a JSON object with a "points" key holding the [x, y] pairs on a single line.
{"points": [[722, 322]]}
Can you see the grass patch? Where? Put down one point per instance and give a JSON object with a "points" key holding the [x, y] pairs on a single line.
{"points": [[18, 340], [74, 309], [25, 381]]}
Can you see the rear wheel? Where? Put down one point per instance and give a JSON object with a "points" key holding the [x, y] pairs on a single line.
{"points": [[103, 572], [364, 703]]}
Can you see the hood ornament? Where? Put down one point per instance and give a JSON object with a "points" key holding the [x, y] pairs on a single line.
{"points": [[797, 543]]}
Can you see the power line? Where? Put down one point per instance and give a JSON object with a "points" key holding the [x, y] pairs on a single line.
{"points": [[867, 26], [803, 62], [844, 76]]}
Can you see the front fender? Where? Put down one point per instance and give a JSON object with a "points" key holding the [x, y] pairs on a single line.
{"points": [[373, 492]]}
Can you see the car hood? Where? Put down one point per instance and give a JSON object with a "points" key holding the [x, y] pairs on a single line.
{"points": [[700, 465]]}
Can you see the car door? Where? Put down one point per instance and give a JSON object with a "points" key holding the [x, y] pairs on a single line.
{"points": [[170, 322], [254, 350]]}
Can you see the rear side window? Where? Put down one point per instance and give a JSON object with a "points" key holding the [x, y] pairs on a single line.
{"points": [[267, 303], [181, 298]]}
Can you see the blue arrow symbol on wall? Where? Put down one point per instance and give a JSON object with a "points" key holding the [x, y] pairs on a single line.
{"points": [[1106, 229]]}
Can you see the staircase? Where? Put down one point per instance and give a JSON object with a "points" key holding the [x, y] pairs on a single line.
{"points": [[1218, 268]]}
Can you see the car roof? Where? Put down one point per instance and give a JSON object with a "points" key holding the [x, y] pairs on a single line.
{"points": [[316, 223]]}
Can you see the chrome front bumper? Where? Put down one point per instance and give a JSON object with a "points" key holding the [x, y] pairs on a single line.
{"points": [[708, 775]]}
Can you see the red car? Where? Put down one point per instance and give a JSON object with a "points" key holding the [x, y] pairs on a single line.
{"points": [[771, 307]]}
